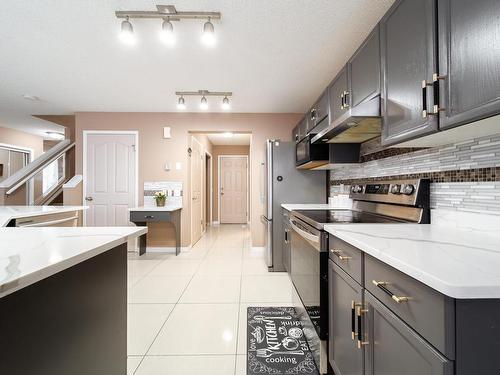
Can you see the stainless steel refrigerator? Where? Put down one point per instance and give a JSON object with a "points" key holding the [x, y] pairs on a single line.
{"points": [[283, 183]]}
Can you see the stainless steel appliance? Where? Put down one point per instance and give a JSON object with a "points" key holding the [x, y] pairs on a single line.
{"points": [[402, 201], [283, 183], [308, 155]]}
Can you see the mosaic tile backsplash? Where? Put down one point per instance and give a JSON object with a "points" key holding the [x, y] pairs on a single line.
{"points": [[464, 176]]}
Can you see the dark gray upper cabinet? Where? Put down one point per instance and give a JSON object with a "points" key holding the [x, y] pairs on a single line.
{"points": [[364, 71], [319, 112], [345, 296], [295, 133], [300, 131], [408, 57], [393, 348], [337, 92], [469, 60]]}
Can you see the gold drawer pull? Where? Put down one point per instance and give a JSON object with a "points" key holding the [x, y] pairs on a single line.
{"points": [[383, 286], [341, 257]]}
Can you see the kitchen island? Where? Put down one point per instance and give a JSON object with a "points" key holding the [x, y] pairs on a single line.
{"points": [[63, 300]]}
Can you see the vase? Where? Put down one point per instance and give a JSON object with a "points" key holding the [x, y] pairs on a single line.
{"points": [[160, 202]]}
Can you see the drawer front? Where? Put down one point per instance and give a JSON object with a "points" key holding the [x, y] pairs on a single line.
{"points": [[60, 219], [427, 311], [349, 258], [149, 216]]}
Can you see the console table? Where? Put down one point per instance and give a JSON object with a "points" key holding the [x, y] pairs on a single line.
{"points": [[141, 216]]}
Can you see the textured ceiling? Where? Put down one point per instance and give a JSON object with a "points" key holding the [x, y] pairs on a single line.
{"points": [[276, 56]]}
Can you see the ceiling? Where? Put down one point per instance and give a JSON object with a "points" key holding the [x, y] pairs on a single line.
{"points": [[276, 56], [222, 139]]}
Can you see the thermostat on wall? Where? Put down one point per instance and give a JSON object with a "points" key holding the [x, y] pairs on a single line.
{"points": [[166, 132]]}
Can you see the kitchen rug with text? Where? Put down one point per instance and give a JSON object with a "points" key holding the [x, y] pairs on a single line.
{"points": [[276, 343]]}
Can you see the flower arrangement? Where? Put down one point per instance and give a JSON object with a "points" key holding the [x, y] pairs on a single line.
{"points": [[160, 198]]}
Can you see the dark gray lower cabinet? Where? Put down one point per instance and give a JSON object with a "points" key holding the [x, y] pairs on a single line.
{"points": [[469, 60], [409, 56], [393, 348], [286, 241], [345, 297]]}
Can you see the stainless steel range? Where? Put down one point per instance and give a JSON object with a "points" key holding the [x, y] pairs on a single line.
{"points": [[401, 201]]}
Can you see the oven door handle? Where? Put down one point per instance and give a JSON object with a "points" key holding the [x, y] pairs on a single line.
{"points": [[303, 233]]}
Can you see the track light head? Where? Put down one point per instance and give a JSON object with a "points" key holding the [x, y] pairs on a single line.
{"points": [[167, 33], [181, 104], [208, 36], [127, 32], [204, 103], [225, 103]]}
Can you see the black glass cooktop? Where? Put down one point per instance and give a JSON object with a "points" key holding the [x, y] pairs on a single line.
{"points": [[342, 216]]}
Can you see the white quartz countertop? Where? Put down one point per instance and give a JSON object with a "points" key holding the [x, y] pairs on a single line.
{"points": [[311, 206], [28, 255], [456, 262], [7, 213], [166, 208]]}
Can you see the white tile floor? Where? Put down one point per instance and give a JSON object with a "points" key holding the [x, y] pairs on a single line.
{"points": [[187, 314]]}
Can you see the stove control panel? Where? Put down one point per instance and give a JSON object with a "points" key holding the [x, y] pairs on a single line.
{"points": [[406, 192]]}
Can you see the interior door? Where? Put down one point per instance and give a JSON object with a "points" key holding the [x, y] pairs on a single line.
{"points": [[110, 179], [233, 189], [196, 190]]}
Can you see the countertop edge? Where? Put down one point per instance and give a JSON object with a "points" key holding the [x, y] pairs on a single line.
{"points": [[32, 278], [31, 214]]}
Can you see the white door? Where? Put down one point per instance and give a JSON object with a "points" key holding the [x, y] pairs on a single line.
{"points": [[110, 179], [196, 190], [233, 189]]}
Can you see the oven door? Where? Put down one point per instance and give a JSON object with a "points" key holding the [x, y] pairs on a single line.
{"points": [[309, 272]]}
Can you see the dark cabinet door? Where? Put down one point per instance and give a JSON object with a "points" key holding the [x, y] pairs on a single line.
{"points": [[345, 295], [300, 131], [337, 92], [319, 112], [469, 60], [295, 134], [286, 242], [393, 348], [364, 71], [408, 57]]}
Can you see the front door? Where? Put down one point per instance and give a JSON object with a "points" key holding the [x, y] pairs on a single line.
{"points": [[110, 179], [196, 190], [233, 189]]}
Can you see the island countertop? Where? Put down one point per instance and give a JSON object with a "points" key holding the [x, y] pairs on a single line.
{"points": [[459, 263], [8, 213], [28, 255]]}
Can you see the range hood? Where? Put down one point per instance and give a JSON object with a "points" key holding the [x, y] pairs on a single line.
{"points": [[357, 125]]}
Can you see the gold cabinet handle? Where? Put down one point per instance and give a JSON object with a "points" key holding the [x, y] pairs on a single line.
{"points": [[339, 255], [383, 286]]}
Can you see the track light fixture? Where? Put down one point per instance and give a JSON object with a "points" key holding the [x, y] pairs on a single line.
{"points": [[181, 104], [169, 14], [204, 101], [127, 32]]}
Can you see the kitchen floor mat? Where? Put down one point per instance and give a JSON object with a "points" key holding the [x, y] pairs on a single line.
{"points": [[276, 343]]}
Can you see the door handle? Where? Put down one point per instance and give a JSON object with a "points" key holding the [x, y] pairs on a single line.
{"points": [[89, 199]]}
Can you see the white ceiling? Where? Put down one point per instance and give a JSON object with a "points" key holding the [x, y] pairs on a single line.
{"points": [[275, 55], [220, 139]]}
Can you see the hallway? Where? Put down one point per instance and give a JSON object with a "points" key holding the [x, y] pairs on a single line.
{"points": [[187, 314]]}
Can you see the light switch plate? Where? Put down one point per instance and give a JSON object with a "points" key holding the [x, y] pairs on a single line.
{"points": [[166, 132]]}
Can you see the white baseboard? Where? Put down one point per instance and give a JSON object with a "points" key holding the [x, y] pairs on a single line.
{"points": [[165, 249], [216, 222]]}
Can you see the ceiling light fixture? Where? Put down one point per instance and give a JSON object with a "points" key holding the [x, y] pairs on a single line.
{"points": [[55, 135], [181, 104], [167, 32], [127, 32], [228, 135], [32, 98], [204, 103], [169, 14], [225, 104], [208, 36], [204, 94]]}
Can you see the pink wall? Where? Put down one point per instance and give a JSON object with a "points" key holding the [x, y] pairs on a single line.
{"points": [[154, 151], [21, 139]]}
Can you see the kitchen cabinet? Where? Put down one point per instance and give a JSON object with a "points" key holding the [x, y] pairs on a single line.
{"points": [[364, 71], [345, 297], [469, 60], [337, 92], [300, 131], [393, 348], [319, 113], [286, 241], [408, 61]]}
